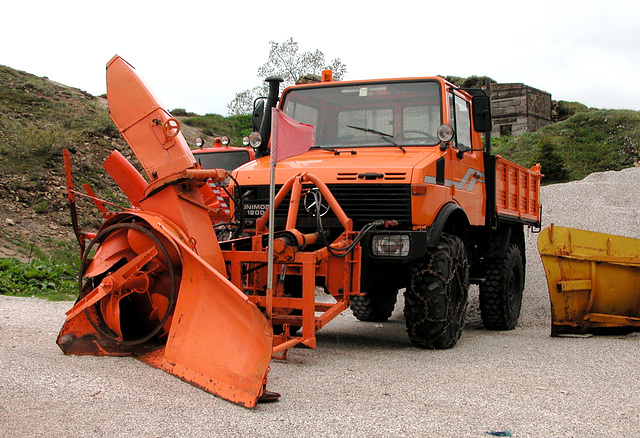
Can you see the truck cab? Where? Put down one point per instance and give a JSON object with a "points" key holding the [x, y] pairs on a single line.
{"points": [[397, 150]]}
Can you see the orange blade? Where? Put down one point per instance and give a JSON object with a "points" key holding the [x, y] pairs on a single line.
{"points": [[219, 340], [88, 300], [113, 249], [110, 309], [113, 282]]}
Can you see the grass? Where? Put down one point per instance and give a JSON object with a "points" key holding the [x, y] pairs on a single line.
{"points": [[234, 127], [42, 278], [588, 141], [50, 274]]}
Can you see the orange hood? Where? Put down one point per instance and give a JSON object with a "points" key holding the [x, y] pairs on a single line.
{"points": [[381, 164]]}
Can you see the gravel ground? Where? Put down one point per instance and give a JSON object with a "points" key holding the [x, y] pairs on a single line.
{"points": [[364, 379]]}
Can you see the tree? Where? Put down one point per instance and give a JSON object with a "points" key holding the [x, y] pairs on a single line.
{"points": [[552, 163], [286, 61]]}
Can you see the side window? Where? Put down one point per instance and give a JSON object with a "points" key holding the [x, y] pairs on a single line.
{"points": [[462, 123]]}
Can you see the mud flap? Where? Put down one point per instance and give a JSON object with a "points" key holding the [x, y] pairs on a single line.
{"points": [[593, 279]]}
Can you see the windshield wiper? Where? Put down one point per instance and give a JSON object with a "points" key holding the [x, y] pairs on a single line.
{"points": [[334, 150], [383, 135]]}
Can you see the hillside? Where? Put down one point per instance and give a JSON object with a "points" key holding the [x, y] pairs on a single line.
{"points": [[38, 119], [589, 141]]}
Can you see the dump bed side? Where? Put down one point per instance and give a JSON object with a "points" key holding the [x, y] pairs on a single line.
{"points": [[517, 191]]}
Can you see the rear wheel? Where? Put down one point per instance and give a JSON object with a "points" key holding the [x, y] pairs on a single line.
{"points": [[501, 293], [379, 296], [436, 299]]}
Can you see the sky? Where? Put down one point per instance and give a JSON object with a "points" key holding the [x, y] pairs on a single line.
{"points": [[198, 54]]}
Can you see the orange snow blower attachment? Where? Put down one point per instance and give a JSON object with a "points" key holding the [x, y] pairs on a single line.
{"points": [[593, 278], [153, 278]]}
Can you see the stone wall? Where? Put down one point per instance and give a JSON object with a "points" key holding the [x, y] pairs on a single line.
{"points": [[518, 108]]}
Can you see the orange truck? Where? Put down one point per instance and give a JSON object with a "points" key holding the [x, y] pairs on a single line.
{"points": [[436, 211]]}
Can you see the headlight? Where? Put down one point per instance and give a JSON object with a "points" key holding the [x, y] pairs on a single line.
{"points": [[255, 140], [445, 133], [391, 245]]}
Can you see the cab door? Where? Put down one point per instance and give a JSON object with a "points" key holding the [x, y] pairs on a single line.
{"points": [[467, 166]]}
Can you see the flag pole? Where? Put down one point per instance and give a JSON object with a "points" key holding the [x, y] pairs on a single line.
{"points": [[272, 195], [288, 138]]}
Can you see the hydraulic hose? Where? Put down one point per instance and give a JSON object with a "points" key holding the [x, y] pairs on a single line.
{"points": [[342, 252]]}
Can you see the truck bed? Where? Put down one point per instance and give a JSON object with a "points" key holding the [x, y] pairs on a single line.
{"points": [[517, 191]]}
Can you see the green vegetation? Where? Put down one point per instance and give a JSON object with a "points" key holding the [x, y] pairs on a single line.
{"points": [[234, 127], [181, 112], [50, 274], [588, 141], [40, 278], [38, 119], [470, 82]]}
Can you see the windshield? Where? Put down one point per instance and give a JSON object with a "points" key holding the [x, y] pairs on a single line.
{"points": [[227, 160], [374, 114]]}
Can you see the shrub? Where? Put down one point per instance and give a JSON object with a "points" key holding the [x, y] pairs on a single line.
{"points": [[41, 278], [42, 206], [235, 127], [588, 141]]}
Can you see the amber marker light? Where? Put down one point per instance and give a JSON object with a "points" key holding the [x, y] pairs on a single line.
{"points": [[418, 190]]}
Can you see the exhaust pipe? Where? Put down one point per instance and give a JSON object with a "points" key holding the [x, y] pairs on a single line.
{"points": [[265, 125]]}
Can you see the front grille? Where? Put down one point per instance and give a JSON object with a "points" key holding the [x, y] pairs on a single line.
{"points": [[363, 203]]}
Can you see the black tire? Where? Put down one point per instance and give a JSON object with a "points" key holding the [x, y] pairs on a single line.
{"points": [[501, 292], [436, 299], [379, 299]]}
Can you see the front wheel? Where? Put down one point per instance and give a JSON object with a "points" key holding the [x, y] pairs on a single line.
{"points": [[501, 293], [436, 299], [379, 295]]}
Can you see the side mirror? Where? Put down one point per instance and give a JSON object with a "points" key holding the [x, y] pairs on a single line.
{"points": [[258, 113], [481, 113]]}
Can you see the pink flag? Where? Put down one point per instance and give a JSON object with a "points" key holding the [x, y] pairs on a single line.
{"points": [[288, 136]]}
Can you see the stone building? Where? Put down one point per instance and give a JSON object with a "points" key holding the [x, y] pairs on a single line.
{"points": [[518, 108]]}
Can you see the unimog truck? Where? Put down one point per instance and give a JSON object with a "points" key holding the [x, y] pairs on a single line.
{"points": [[406, 161]]}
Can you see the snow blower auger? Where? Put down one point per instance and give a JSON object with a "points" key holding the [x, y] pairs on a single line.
{"points": [[593, 279], [153, 279]]}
